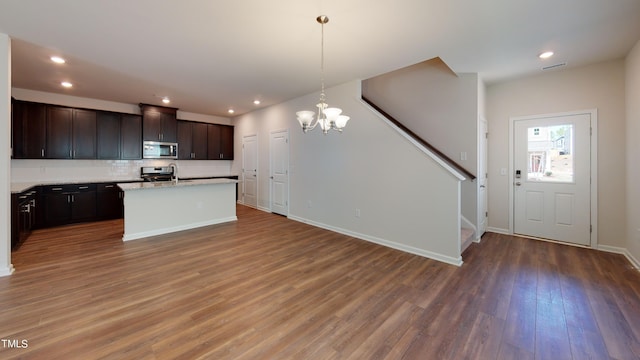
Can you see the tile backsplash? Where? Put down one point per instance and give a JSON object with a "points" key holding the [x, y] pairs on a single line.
{"points": [[107, 170]]}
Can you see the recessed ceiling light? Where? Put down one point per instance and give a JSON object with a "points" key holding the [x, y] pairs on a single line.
{"points": [[58, 60], [256, 102], [66, 84], [230, 111], [546, 55], [166, 100]]}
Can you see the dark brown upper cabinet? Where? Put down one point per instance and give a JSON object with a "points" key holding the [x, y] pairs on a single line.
{"points": [[159, 123], [192, 140], [108, 134], [220, 142], [226, 142], [83, 134], [119, 136], [59, 128], [29, 130], [71, 133], [131, 137]]}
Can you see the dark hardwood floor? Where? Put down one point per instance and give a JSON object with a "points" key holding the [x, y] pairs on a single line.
{"points": [[266, 287]]}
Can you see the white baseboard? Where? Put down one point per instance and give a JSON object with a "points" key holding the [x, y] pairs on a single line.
{"points": [[261, 208], [618, 250], [265, 209], [499, 230], [6, 271], [391, 244]]}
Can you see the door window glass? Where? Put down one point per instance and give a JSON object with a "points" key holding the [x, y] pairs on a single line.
{"points": [[550, 153]]}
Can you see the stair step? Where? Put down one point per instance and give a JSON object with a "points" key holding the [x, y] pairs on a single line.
{"points": [[465, 235]]}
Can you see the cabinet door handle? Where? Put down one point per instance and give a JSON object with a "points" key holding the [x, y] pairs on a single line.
{"points": [[108, 186], [83, 187], [42, 152], [56, 189]]}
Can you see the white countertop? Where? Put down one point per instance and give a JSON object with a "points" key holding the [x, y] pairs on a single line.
{"points": [[173, 184], [18, 187]]}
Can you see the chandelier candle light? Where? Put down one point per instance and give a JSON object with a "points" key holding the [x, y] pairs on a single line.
{"points": [[329, 118]]}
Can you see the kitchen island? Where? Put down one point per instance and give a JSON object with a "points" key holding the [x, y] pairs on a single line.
{"points": [[154, 208]]}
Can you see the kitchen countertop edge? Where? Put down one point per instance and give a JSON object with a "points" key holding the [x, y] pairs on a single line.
{"points": [[173, 184], [19, 187]]}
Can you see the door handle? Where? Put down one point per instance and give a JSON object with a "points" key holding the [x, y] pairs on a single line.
{"points": [[271, 177], [518, 183], [482, 186]]}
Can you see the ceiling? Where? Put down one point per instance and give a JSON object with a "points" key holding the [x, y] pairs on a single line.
{"points": [[212, 55]]}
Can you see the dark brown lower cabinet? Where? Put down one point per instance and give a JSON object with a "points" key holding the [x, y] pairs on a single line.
{"points": [[23, 216], [109, 202], [67, 204]]}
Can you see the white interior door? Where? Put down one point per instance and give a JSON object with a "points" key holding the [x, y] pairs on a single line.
{"points": [[250, 170], [279, 145], [482, 178], [552, 178]]}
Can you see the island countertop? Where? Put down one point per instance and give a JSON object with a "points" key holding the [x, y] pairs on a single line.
{"points": [[173, 184], [154, 208]]}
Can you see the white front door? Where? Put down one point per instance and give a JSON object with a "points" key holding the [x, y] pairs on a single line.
{"points": [[552, 177], [279, 145], [250, 170]]}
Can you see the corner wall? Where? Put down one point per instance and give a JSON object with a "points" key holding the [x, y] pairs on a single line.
{"points": [[6, 267], [406, 200], [633, 152], [441, 107], [600, 86]]}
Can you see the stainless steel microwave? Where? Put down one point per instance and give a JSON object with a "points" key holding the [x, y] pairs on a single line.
{"points": [[159, 150]]}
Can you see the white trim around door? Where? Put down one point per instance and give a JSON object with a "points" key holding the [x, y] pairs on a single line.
{"points": [[593, 167], [249, 174], [279, 172]]}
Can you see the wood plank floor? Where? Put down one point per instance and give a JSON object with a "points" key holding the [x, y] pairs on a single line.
{"points": [[266, 287]]}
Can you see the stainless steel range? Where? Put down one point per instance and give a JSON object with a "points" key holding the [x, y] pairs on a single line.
{"points": [[158, 173]]}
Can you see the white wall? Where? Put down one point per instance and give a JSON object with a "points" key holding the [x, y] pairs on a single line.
{"points": [[5, 155], [633, 151], [405, 199], [600, 86], [106, 170], [441, 107]]}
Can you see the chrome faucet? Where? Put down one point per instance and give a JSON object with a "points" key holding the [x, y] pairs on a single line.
{"points": [[174, 168]]}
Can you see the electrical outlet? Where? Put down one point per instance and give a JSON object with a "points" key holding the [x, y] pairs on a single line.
{"points": [[357, 213], [309, 203]]}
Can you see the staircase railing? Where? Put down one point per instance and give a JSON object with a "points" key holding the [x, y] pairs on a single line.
{"points": [[420, 140]]}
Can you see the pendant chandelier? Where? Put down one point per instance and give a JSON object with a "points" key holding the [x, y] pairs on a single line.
{"points": [[329, 118]]}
